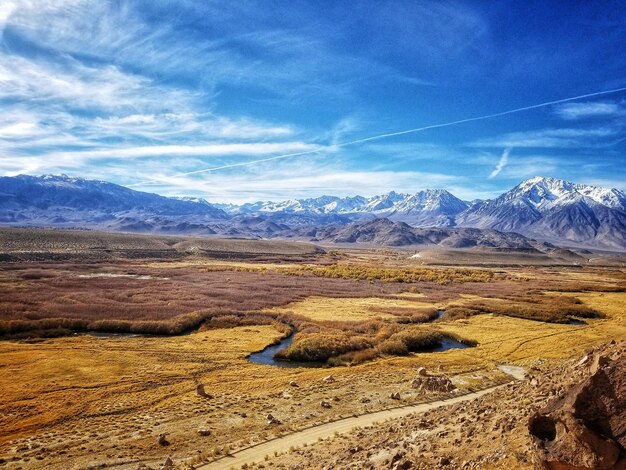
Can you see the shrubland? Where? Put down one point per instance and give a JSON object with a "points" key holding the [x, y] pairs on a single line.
{"points": [[335, 345], [540, 307]]}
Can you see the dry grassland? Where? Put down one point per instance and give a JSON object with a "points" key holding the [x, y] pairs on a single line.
{"points": [[84, 400], [355, 309]]}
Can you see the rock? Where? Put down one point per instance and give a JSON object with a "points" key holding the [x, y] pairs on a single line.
{"points": [[395, 395], [586, 429], [168, 464], [162, 440], [404, 465], [329, 379], [293, 383], [598, 362], [365, 400], [201, 392], [204, 432], [325, 404], [583, 361], [421, 372], [439, 383], [271, 419]]}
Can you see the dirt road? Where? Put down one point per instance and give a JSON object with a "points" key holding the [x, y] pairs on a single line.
{"points": [[258, 452]]}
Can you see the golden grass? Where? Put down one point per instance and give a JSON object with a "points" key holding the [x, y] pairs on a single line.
{"points": [[503, 338], [393, 274], [128, 390], [355, 309]]}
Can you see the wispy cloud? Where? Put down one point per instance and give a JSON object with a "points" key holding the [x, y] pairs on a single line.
{"points": [[504, 159], [162, 151], [289, 180], [6, 9], [550, 138], [132, 91], [590, 109]]}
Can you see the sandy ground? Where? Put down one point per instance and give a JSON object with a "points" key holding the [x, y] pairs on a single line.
{"points": [[306, 437], [85, 401]]}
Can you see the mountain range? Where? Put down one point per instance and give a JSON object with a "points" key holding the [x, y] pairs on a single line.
{"points": [[546, 209]]}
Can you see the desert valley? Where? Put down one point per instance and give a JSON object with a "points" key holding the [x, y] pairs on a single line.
{"points": [[312, 235], [134, 351]]}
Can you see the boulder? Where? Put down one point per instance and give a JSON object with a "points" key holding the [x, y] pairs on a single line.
{"points": [[586, 428], [272, 420], [329, 379], [598, 362], [438, 383], [293, 383], [168, 464], [395, 395], [325, 404], [204, 432], [201, 392], [162, 440], [421, 372]]}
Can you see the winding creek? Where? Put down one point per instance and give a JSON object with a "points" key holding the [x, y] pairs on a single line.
{"points": [[266, 356]]}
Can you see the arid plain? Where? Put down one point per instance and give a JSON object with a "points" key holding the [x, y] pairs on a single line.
{"points": [[105, 338]]}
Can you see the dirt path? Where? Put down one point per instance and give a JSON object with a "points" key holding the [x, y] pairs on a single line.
{"points": [[309, 436]]}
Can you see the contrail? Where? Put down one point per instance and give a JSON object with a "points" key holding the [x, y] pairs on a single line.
{"points": [[391, 134], [504, 159]]}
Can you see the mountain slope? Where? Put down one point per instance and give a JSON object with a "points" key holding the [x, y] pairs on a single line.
{"points": [[61, 200], [385, 232], [435, 207], [553, 209], [542, 208]]}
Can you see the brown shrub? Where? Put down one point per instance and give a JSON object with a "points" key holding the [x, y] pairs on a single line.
{"points": [[319, 347], [416, 340], [393, 347]]}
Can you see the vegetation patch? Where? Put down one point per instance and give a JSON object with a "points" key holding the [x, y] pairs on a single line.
{"points": [[341, 348], [392, 274], [547, 308]]}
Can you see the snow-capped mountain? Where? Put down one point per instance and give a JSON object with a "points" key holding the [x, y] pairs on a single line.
{"points": [[542, 208], [553, 209], [435, 207], [68, 201]]}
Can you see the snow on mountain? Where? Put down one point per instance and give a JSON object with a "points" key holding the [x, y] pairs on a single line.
{"points": [[424, 206], [554, 209], [543, 208], [69, 201]]}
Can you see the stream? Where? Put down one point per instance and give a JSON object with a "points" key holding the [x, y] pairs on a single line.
{"points": [[266, 356]]}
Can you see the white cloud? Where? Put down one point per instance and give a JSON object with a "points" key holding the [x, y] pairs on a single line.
{"points": [[213, 149], [285, 183], [6, 9], [75, 85], [504, 159], [18, 129], [549, 138], [573, 111]]}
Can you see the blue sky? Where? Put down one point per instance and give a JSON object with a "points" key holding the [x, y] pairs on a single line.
{"points": [[151, 93]]}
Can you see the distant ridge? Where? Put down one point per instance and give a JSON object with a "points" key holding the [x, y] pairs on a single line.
{"points": [[542, 208]]}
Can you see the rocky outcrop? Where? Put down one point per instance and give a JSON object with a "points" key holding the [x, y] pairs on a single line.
{"points": [[431, 383], [586, 428]]}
